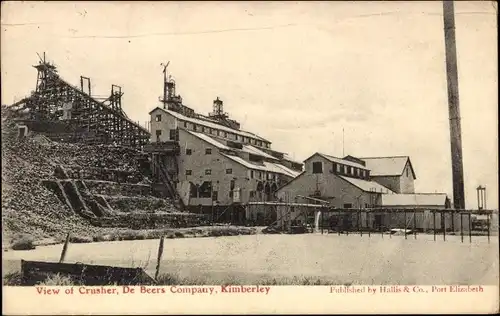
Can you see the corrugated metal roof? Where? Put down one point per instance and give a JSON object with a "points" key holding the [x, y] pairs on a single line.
{"points": [[209, 140], [211, 124], [289, 158], [342, 161], [266, 166], [431, 199], [279, 168], [386, 166], [246, 148], [368, 186], [255, 151]]}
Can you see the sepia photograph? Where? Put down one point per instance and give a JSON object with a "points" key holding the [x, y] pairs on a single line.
{"points": [[205, 150]]}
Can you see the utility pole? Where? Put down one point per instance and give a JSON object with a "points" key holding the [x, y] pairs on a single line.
{"points": [[453, 106]]}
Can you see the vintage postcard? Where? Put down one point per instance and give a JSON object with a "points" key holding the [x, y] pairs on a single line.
{"points": [[249, 157]]}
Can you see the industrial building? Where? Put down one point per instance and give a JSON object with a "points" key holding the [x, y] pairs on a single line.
{"points": [[211, 163], [357, 183]]}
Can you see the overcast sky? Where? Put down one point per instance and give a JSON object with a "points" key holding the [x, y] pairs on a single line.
{"points": [[295, 73]]}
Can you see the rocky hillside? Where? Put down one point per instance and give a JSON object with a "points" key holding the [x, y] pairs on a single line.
{"points": [[27, 206]]}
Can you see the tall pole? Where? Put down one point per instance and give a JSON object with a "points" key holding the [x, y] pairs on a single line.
{"points": [[453, 106]]}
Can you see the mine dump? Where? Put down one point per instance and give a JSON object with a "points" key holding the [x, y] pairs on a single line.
{"points": [[77, 169]]}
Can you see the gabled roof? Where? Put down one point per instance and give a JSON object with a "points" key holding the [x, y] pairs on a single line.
{"points": [[209, 140], [288, 158], [388, 166], [417, 199], [255, 151], [339, 161], [366, 185], [218, 144], [209, 123], [265, 166]]}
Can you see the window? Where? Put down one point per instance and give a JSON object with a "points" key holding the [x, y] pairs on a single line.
{"points": [[231, 188], [225, 134], [173, 134], [158, 132], [259, 174], [208, 171], [189, 172], [194, 127], [158, 118], [229, 171], [214, 196], [251, 174], [206, 189], [317, 167], [252, 194], [193, 190], [337, 167], [367, 205], [348, 205], [357, 172], [185, 124], [218, 133], [236, 136], [189, 151], [208, 151], [259, 143], [344, 169], [407, 172], [203, 129]]}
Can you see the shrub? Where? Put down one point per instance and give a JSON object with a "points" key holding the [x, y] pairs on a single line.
{"points": [[57, 280], [80, 239], [12, 279], [104, 238], [168, 279], [23, 242]]}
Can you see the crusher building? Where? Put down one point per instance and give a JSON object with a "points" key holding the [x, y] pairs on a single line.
{"points": [[213, 166]]}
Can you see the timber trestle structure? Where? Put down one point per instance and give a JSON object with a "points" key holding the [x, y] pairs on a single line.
{"points": [[72, 114]]}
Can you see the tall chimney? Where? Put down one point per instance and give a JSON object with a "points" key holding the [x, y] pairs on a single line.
{"points": [[453, 106]]}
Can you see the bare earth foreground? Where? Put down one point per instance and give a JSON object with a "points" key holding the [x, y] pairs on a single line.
{"points": [[352, 259]]}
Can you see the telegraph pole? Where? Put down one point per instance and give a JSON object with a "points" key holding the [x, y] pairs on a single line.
{"points": [[453, 105]]}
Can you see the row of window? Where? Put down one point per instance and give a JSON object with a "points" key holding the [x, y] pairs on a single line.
{"points": [[200, 128], [341, 169], [252, 174], [189, 151], [207, 171], [205, 190]]}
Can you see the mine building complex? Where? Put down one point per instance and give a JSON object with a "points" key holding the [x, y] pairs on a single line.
{"points": [[214, 166], [211, 167], [357, 183]]}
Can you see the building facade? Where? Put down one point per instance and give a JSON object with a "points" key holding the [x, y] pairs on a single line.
{"points": [[217, 166], [358, 183]]}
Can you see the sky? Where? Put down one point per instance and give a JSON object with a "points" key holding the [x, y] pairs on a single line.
{"points": [[296, 73]]}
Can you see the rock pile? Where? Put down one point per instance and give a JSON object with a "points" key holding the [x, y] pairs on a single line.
{"points": [[27, 206]]}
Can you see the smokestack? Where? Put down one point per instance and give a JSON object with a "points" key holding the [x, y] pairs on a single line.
{"points": [[453, 105]]}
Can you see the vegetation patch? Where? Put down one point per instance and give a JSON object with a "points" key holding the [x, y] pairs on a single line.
{"points": [[23, 242]]}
